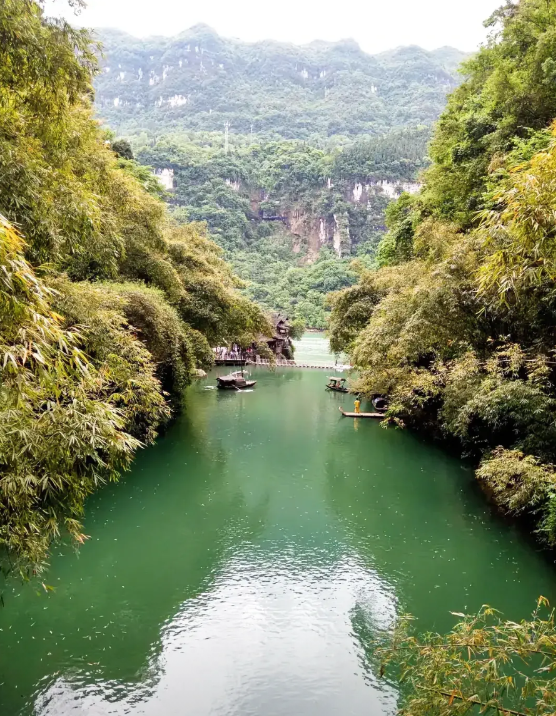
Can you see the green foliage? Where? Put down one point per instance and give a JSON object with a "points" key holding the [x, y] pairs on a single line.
{"points": [[402, 218], [297, 291], [485, 663], [520, 483], [131, 381], [210, 302], [457, 327], [399, 154], [509, 92], [96, 347], [506, 399], [264, 352], [235, 192], [518, 233], [351, 311], [158, 326], [62, 426], [297, 329], [199, 80], [122, 148], [144, 176]]}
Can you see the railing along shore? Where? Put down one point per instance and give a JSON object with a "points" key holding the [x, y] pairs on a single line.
{"points": [[294, 364]]}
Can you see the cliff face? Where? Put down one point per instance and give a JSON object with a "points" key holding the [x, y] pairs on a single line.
{"points": [[199, 80], [339, 229], [342, 227]]}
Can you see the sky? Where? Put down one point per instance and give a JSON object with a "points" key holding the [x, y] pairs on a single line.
{"points": [[376, 25]]}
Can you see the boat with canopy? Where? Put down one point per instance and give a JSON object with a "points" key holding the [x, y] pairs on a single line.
{"points": [[336, 384], [234, 381]]}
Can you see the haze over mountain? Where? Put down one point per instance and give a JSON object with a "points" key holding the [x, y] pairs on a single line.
{"points": [[374, 24], [199, 80]]}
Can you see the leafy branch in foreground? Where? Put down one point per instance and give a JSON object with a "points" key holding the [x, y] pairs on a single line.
{"points": [[61, 433], [485, 663]]}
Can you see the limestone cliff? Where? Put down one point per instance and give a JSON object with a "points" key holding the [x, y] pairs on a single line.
{"points": [[199, 80]]}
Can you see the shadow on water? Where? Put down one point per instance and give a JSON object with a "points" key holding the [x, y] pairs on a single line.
{"points": [[410, 509], [415, 517]]}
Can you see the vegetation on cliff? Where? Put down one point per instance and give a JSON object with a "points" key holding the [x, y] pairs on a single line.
{"points": [[199, 81], [106, 305], [325, 203], [314, 132], [457, 327]]}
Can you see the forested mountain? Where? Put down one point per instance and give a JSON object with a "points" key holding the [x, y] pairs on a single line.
{"points": [[199, 81], [284, 205], [320, 139]]}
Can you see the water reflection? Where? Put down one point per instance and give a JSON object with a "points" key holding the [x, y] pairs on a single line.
{"points": [[257, 603], [244, 565]]}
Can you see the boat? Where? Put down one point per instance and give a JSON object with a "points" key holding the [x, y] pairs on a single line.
{"points": [[234, 381], [337, 384], [380, 403], [379, 416]]}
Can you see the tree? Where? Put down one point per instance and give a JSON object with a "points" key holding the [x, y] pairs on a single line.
{"points": [[402, 218], [507, 93], [484, 664], [122, 148], [62, 430]]}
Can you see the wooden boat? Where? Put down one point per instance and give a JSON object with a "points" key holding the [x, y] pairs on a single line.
{"points": [[234, 381], [380, 416], [337, 384], [380, 403]]}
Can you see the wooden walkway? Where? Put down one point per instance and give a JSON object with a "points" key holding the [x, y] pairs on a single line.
{"points": [[379, 416], [295, 364]]}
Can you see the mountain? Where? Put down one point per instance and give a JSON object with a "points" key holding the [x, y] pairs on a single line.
{"points": [[199, 80], [321, 138]]}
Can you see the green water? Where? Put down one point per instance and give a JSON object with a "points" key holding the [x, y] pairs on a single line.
{"points": [[314, 350], [240, 567]]}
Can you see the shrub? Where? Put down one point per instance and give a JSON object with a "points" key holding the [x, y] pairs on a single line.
{"points": [[60, 437], [160, 328], [127, 367]]}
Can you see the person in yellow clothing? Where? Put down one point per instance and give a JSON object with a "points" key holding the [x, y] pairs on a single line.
{"points": [[357, 404]]}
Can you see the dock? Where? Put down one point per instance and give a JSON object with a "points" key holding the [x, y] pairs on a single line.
{"points": [[378, 416]]}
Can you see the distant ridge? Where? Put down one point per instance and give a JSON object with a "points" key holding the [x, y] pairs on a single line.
{"points": [[199, 80], [201, 29]]}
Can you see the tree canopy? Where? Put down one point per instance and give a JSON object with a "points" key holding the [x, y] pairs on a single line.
{"points": [[107, 305], [456, 327]]}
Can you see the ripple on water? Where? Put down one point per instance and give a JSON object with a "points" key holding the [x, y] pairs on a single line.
{"points": [[250, 558]]}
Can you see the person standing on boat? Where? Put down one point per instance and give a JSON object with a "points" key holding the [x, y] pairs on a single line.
{"points": [[357, 405]]}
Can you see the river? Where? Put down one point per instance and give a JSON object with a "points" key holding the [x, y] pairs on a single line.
{"points": [[244, 564]]}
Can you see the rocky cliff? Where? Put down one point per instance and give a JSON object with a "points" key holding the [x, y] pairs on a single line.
{"points": [[199, 80]]}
